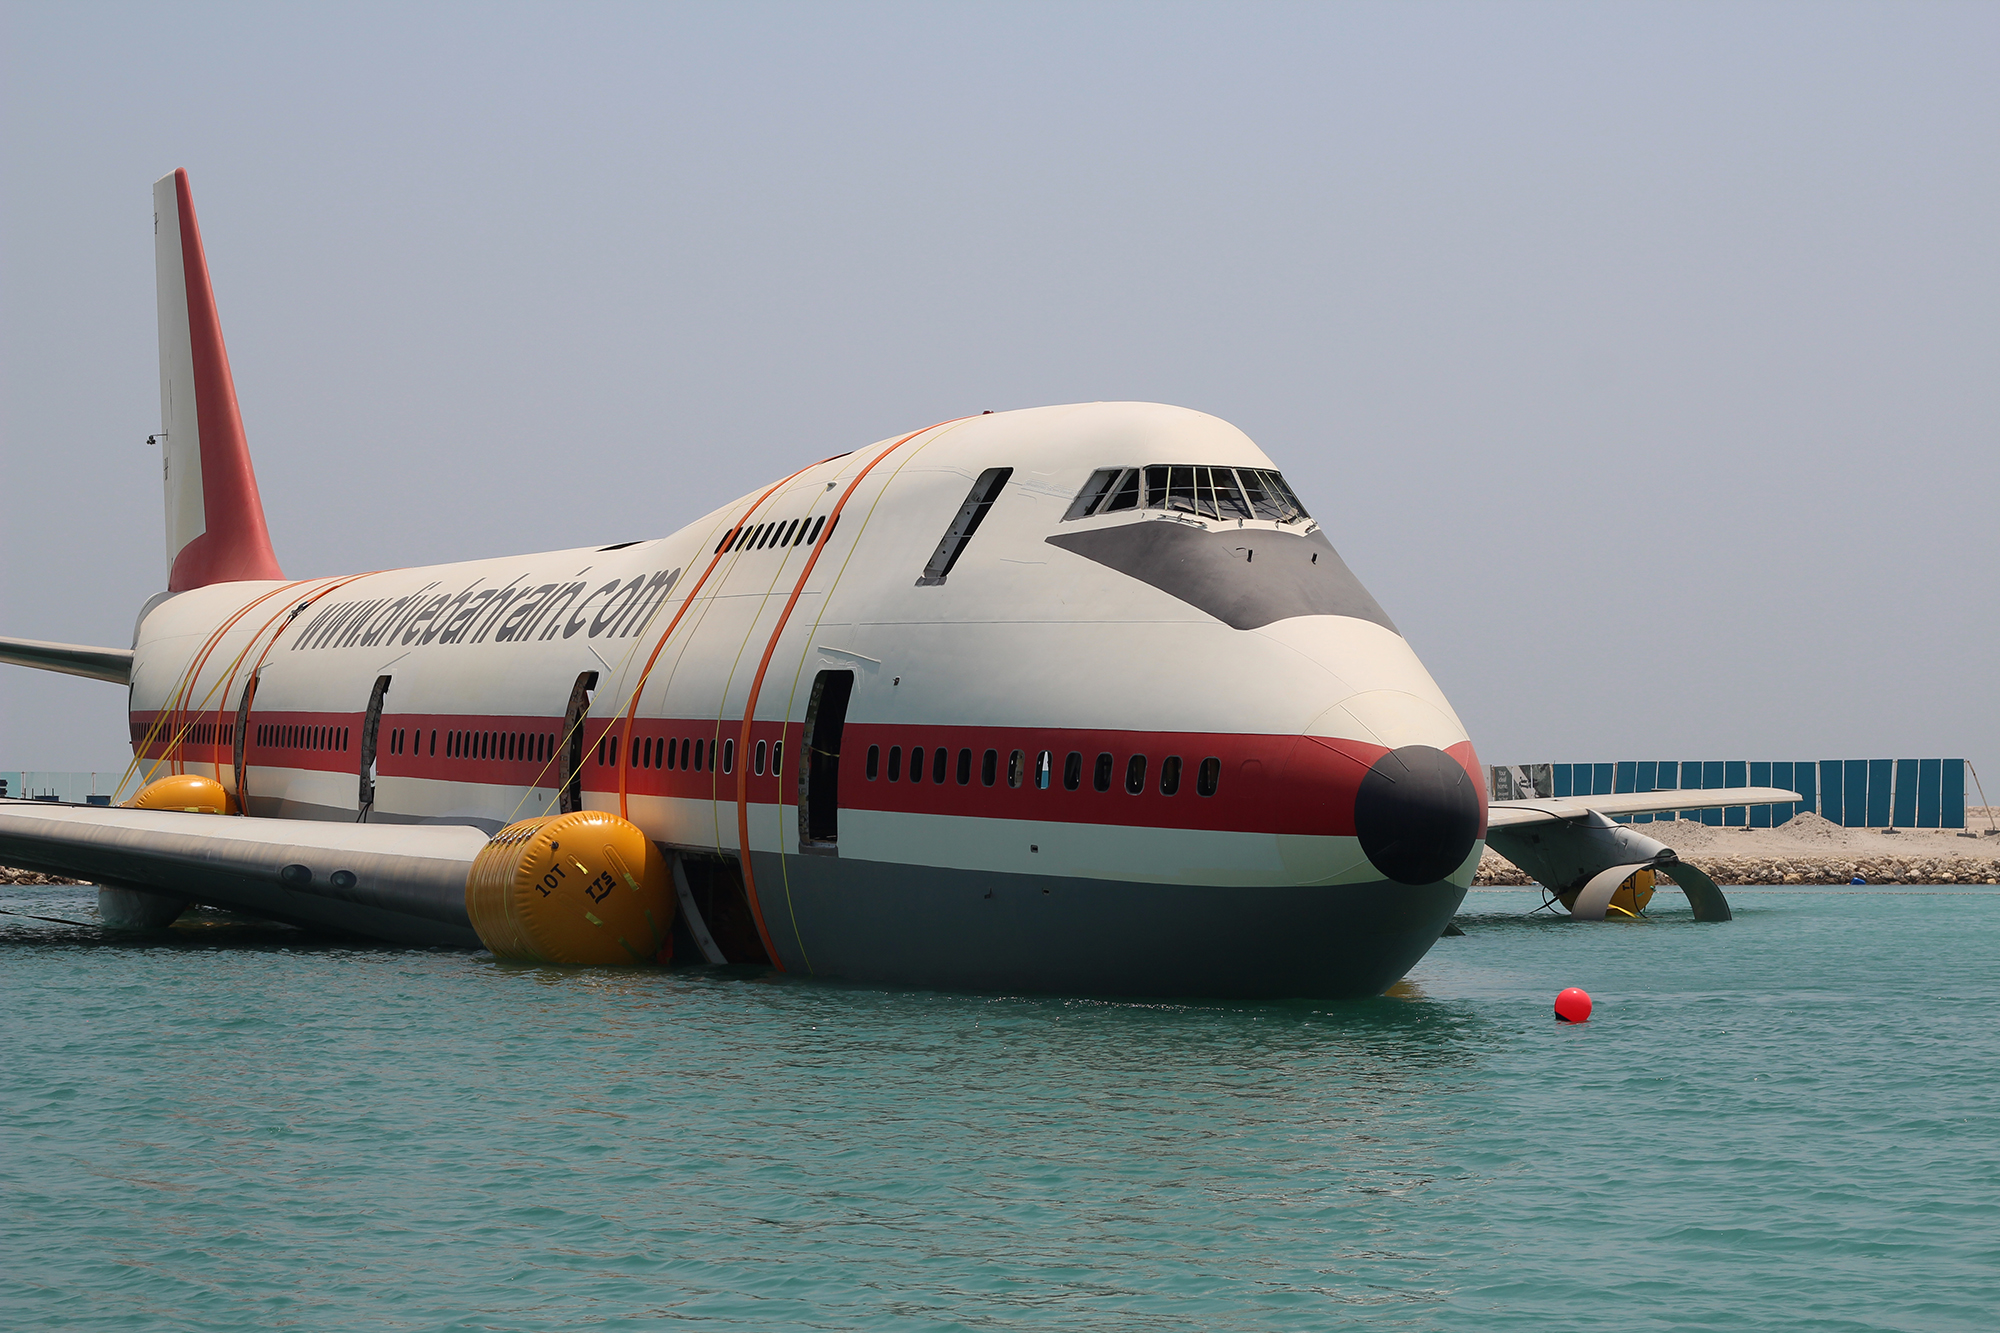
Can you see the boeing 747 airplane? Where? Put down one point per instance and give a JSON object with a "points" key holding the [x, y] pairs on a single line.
{"points": [[1073, 699]]}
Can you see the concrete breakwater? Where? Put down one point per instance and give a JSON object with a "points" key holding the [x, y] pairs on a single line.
{"points": [[29, 879], [1495, 870]]}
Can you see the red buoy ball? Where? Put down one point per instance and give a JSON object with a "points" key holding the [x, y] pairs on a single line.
{"points": [[1573, 1006]]}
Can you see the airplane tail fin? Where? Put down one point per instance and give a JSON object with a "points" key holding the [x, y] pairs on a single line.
{"points": [[215, 518]]}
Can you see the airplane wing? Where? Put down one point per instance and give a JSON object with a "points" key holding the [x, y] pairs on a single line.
{"points": [[72, 659], [1571, 845], [1509, 814], [401, 882]]}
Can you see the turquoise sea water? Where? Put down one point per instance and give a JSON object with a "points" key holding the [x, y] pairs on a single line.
{"points": [[1789, 1121]]}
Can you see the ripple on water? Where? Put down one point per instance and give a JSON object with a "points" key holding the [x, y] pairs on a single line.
{"points": [[1787, 1121]]}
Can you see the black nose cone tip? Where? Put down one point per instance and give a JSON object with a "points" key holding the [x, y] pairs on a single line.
{"points": [[1417, 814]]}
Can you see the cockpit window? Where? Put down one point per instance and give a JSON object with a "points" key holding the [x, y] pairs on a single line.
{"points": [[1204, 492]]}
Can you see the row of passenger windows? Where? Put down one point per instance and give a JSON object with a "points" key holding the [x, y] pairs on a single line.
{"points": [[1208, 492], [211, 733], [535, 746], [689, 754], [798, 532], [289, 736], [1038, 771], [405, 741]]}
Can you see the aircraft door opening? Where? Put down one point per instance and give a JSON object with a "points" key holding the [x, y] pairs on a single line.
{"points": [[242, 731], [370, 725], [572, 751], [819, 762]]}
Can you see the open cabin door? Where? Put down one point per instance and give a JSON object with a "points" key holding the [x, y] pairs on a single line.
{"points": [[573, 747], [819, 762], [370, 725], [241, 742]]}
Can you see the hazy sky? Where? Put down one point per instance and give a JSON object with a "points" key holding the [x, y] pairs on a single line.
{"points": [[1644, 361]]}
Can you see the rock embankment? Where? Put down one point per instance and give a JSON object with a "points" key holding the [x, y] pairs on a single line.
{"points": [[1495, 870], [29, 879]]}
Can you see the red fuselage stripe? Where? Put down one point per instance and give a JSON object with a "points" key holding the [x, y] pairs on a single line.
{"points": [[1267, 783]]}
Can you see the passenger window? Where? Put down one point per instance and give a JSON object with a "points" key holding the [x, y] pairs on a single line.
{"points": [[916, 763], [818, 523], [434, 741], [874, 761], [684, 751], [989, 767], [729, 756], [777, 755], [1095, 491], [1170, 775], [895, 763], [964, 767], [761, 752], [970, 515], [939, 758], [1101, 777], [1042, 771], [700, 753], [1072, 771], [1135, 774], [1208, 777], [1017, 764]]}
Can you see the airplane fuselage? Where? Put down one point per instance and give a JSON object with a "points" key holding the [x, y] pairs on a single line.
{"points": [[909, 715]]}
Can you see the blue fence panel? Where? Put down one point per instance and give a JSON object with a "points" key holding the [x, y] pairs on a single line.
{"points": [[1690, 781], [1645, 775], [1760, 776], [1734, 774], [1880, 789], [1905, 813], [1854, 794], [1829, 789], [1929, 771], [1952, 798], [1711, 779]]}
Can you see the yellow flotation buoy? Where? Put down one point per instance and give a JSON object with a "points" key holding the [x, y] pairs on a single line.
{"points": [[582, 888], [184, 791], [1628, 900]]}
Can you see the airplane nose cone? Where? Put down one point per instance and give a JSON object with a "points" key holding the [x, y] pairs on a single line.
{"points": [[1417, 814]]}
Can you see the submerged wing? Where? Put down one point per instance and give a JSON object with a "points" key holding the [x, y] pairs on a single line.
{"points": [[402, 882], [73, 659], [1508, 814]]}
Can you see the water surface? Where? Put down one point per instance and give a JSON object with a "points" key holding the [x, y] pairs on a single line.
{"points": [[1787, 1121]]}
